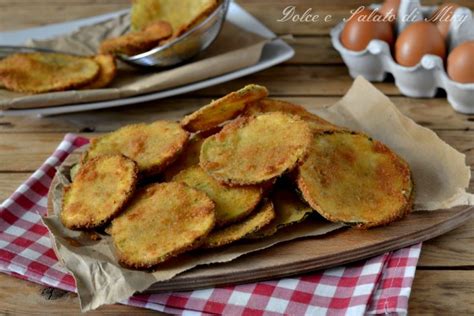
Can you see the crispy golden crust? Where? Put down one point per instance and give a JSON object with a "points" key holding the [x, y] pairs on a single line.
{"points": [[232, 203], [100, 190], [144, 12], [266, 105], [46, 72], [160, 222], [251, 150], [182, 15], [350, 178], [223, 109], [137, 42], [190, 154], [107, 72], [152, 146], [289, 210], [206, 8], [189, 157], [260, 218]]}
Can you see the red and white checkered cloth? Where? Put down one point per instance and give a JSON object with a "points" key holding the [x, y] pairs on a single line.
{"points": [[380, 285]]}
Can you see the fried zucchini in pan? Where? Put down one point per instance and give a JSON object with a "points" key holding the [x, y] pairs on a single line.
{"points": [[271, 105], [182, 15], [46, 72], [353, 179], [255, 149], [289, 210], [134, 43], [232, 203], [261, 218], [107, 71], [223, 109], [152, 146], [99, 191], [161, 221]]}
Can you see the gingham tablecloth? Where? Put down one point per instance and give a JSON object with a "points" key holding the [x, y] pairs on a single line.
{"points": [[380, 285]]}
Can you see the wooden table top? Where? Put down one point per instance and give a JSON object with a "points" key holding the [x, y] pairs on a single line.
{"points": [[444, 282]]}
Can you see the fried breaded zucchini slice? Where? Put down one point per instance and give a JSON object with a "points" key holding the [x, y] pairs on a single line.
{"points": [[353, 179], [107, 71], [152, 146], [261, 218], [99, 191], [45, 72], [161, 221], [189, 157], [74, 171], [223, 109], [182, 15], [137, 42], [289, 210], [271, 105], [232, 203], [255, 149]]}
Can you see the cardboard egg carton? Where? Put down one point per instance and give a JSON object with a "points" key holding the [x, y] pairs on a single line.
{"points": [[422, 80]]}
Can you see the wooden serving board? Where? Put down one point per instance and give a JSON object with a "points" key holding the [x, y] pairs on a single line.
{"points": [[309, 254]]}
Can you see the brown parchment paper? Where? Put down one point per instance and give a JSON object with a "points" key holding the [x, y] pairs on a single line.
{"points": [[233, 49], [439, 171]]}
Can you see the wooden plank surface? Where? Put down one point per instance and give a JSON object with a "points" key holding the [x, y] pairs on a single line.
{"points": [[442, 292], [19, 297], [454, 249], [299, 80], [435, 292], [314, 77]]}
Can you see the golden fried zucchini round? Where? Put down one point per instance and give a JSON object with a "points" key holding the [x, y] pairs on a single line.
{"points": [[255, 149], [289, 210], [271, 105], [223, 109], [190, 154], [202, 9], [260, 218], [100, 189], [161, 221], [74, 171], [144, 12], [189, 157], [46, 72], [353, 179], [152, 146], [182, 15], [107, 71], [137, 42], [232, 203]]}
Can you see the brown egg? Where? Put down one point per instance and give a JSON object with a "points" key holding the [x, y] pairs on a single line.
{"points": [[461, 63], [363, 27], [418, 39], [442, 17], [389, 9]]}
